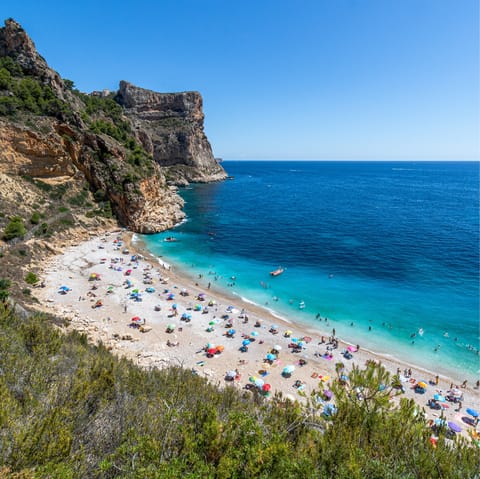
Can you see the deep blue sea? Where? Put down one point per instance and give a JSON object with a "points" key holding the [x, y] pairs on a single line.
{"points": [[385, 250]]}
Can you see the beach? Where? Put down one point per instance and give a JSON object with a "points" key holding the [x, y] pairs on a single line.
{"points": [[112, 289]]}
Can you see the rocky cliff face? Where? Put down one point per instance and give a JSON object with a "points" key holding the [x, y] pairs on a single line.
{"points": [[128, 154], [171, 126]]}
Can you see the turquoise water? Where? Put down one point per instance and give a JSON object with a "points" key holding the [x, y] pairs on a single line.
{"points": [[382, 250]]}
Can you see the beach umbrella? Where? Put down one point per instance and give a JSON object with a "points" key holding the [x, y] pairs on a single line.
{"points": [[288, 333], [64, 288], [327, 394], [254, 333], [344, 377], [174, 306], [288, 369], [211, 323], [329, 409], [271, 356], [231, 332], [259, 382], [220, 348], [454, 426], [246, 342], [266, 387], [472, 412], [211, 350], [274, 327], [300, 344], [440, 422], [231, 374], [136, 318], [171, 326], [422, 384], [439, 398], [252, 379], [307, 339], [277, 347]]}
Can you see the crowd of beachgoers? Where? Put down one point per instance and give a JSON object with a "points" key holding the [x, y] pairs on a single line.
{"points": [[138, 306]]}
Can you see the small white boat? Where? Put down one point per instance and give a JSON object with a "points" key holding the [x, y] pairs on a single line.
{"points": [[302, 305]]}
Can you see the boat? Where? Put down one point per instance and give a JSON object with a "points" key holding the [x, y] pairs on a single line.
{"points": [[302, 305], [276, 272], [170, 239]]}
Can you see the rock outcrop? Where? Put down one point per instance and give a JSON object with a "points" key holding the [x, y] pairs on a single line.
{"points": [[16, 44], [130, 155], [171, 129]]}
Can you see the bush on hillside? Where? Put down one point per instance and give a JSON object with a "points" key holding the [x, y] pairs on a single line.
{"points": [[14, 229]]}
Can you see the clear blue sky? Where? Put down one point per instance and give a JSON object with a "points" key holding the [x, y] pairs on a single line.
{"points": [[285, 79]]}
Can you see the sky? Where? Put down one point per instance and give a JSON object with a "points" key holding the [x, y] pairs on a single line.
{"points": [[285, 79]]}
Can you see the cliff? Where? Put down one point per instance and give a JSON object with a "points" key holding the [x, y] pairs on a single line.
{"points": [[128, 147], [172, 131]]}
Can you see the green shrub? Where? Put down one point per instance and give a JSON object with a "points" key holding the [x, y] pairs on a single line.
{"points": [[14, 229], [35, 219], [31, 278]]}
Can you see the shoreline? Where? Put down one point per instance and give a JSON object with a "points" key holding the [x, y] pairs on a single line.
{"points": [[109, 324], [302, 323]]}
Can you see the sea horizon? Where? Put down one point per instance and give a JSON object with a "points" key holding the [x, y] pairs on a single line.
{"points": [[413, 297]]}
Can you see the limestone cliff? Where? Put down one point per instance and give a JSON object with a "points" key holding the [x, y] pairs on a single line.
{"points": [[171, 126], [128, 147]]}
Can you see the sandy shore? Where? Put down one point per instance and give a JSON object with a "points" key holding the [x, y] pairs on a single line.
{"points": [[111, 323]]}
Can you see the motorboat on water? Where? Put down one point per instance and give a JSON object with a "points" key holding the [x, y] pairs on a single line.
{"points": [[302, 305], [277, 272], [170, 239]]}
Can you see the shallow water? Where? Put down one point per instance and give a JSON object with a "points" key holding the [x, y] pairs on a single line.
{"points": [[381, 249]]}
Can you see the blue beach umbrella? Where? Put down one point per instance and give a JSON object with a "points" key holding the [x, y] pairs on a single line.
{"points": [[472, 412], [259, 382], [231, 331], [288, 369], [246, 342], [271, 356], [253, 333], [439, 398]]}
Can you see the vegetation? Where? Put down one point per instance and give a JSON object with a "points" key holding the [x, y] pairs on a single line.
{"points": [[14, 229], [70, 409], [31, 278], [27, 94], [35, 219], [4, 287]]}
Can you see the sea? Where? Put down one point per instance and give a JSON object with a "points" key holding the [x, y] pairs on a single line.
{"points": [[385, 253]]}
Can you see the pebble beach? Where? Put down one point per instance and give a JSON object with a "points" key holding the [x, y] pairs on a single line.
{"points": [[117, 293]]}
